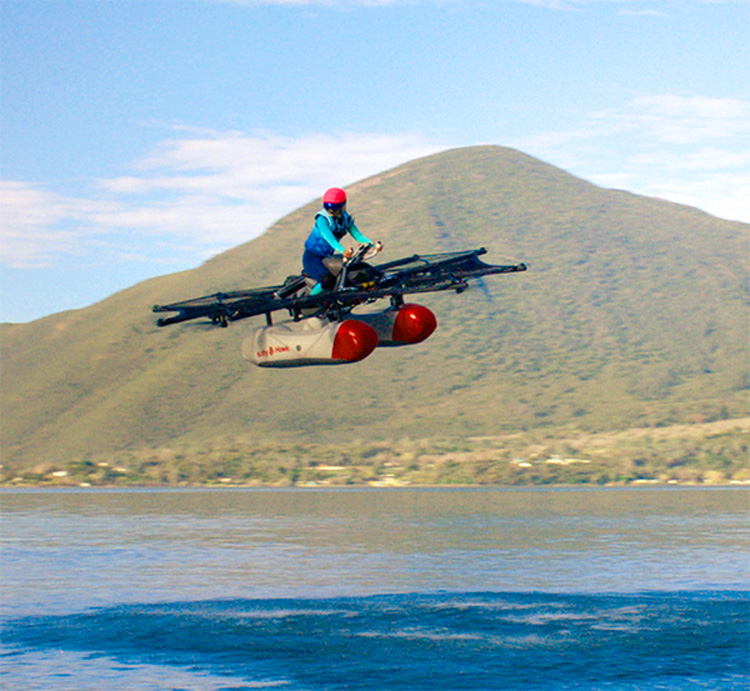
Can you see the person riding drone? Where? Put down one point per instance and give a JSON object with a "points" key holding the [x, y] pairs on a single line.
{"points": [[324, 254]]}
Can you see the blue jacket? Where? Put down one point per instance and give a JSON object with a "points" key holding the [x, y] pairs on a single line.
{"points": [[327, 231]]}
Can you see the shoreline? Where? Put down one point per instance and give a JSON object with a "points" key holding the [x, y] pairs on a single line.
{"points": [[702, 454]]}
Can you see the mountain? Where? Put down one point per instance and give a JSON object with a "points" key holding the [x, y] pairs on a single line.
{"points": [[635, 311]]}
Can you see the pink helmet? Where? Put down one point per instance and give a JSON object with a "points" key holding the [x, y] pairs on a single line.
{"points": [[334, 199]]}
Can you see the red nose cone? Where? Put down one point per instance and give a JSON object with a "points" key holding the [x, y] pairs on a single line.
{"points": [[413, 324], [354, 341]]}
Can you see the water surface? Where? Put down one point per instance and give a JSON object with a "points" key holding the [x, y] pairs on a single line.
{"points": [[375, 589]]}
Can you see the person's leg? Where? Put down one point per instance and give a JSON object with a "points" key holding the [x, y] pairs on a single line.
{"points": [[314, 267], [334, 264]]}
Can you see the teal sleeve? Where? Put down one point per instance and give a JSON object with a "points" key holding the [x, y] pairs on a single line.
{"points": [[325, 232], [356, 233]]}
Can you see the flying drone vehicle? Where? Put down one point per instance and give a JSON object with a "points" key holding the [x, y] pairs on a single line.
{"points": [[331, 327]]}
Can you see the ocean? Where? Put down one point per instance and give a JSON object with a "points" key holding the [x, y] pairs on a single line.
{"points": [[315, 589]]}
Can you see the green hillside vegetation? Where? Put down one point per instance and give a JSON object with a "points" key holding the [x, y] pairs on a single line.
{"points": [[634, 314]]}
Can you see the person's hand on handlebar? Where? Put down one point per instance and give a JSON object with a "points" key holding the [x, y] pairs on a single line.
{"points": [[348, 252]]}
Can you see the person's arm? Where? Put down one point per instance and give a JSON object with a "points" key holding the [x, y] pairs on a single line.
{"points": [[321, 224], [357, 234]]}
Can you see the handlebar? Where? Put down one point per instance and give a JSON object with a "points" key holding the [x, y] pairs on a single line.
{"points": [[364, 252]]}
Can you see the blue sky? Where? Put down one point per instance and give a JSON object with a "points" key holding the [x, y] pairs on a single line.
{"points": [[140, 138]]}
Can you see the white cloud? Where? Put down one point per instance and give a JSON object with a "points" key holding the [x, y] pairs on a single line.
{"points": [[635, 8], [218, 189], [679, 119], [203, 192], [38, 224], [689, 149], [724, 195]]}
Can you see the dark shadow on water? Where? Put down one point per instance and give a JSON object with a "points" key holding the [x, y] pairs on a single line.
{"points": [[487, 640]]}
